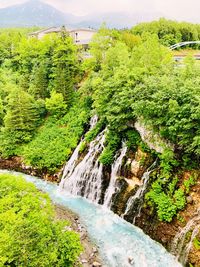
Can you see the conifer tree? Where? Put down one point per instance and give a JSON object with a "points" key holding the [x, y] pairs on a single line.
{"points": [[39, 85], [21, 116]]}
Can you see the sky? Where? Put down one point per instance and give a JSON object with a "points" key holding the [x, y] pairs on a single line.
{"points": [[175, 9]]}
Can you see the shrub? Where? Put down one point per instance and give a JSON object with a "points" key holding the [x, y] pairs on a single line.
{"points": [[113, 142], [30, 235]]}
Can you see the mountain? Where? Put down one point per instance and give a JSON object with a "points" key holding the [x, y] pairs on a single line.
{"points": [[32, 13], [117, 19], [37, 13]]}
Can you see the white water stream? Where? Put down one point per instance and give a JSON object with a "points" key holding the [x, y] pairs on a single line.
{"points": [[180, 246], [138, 198], [85, 179], [116, 168]]}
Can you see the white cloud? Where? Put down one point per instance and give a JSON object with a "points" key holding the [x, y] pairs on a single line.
{"points": [[176, 9], [5, 3], [180, 9], [81, 7]]}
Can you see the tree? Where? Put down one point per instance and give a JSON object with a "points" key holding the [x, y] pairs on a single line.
{"points": [[30, 235], [56, 104], [39, 81], [20, 121], [1, 111], [64, 68]]}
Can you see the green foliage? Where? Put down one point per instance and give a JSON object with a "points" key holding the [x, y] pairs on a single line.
{"points": [[56, 139], [180, 199], [20, 121], [172, 186], [188, 183], [113, 142], [167, 205], [169, 32], [1, 111], [36, 77], [90, 136], [100, 44], [30, 235], [82, 146], [133, 139], [39, 81], [56, 105], [196, 243]]}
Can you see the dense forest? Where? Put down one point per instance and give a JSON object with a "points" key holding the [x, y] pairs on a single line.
{"points": [[48, 93]]}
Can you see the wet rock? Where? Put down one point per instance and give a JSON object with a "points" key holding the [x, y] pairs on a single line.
{"points": [[83, 236], [94, 250], [131, 260], [96, 264], [135, 167], [189, 200], [92, 255]]}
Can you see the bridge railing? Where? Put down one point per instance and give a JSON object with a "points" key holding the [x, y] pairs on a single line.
{"points": [[172, 47]]}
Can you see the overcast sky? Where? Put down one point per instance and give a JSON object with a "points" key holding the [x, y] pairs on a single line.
{"points": [[179, 9]]}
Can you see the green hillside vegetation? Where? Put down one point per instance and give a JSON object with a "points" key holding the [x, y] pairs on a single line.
{"points": [[47, 96], [30, 235], [170, 32]]}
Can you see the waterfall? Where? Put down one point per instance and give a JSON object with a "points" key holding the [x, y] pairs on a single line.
{"points": [[179, 247], [86, 178], [69, 167], [93, 121], [72, 162], [116, 167], [136, 201]]}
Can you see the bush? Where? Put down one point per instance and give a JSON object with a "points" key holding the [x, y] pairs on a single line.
{"points": [[30, 235], [113, 142], [133, 139], [56, 105], [55, 140], [167, 204]]}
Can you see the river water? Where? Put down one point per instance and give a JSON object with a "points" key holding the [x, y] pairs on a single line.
{"points": [[120, 243]]}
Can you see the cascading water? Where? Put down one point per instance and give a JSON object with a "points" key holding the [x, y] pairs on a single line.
{"points": [[180, 247], [93, 122], [116, 167], [71, 164], [86, 178], [135, 202], [120, 243]]}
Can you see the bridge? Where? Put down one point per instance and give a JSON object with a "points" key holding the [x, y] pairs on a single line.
{"points": [[181, 57], [172, 47]]}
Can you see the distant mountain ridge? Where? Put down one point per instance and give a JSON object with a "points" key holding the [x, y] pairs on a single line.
{"points": [[37, 13], [32, 13]]}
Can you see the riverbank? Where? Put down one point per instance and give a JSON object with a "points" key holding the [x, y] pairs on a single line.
{"points": [[16, 164], [90, 256]]}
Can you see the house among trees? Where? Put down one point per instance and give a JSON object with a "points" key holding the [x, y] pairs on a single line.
{"points": [[81, 36]]}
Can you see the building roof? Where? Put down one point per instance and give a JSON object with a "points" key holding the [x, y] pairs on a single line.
{"points": [[48, 30], [83, 29]]}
